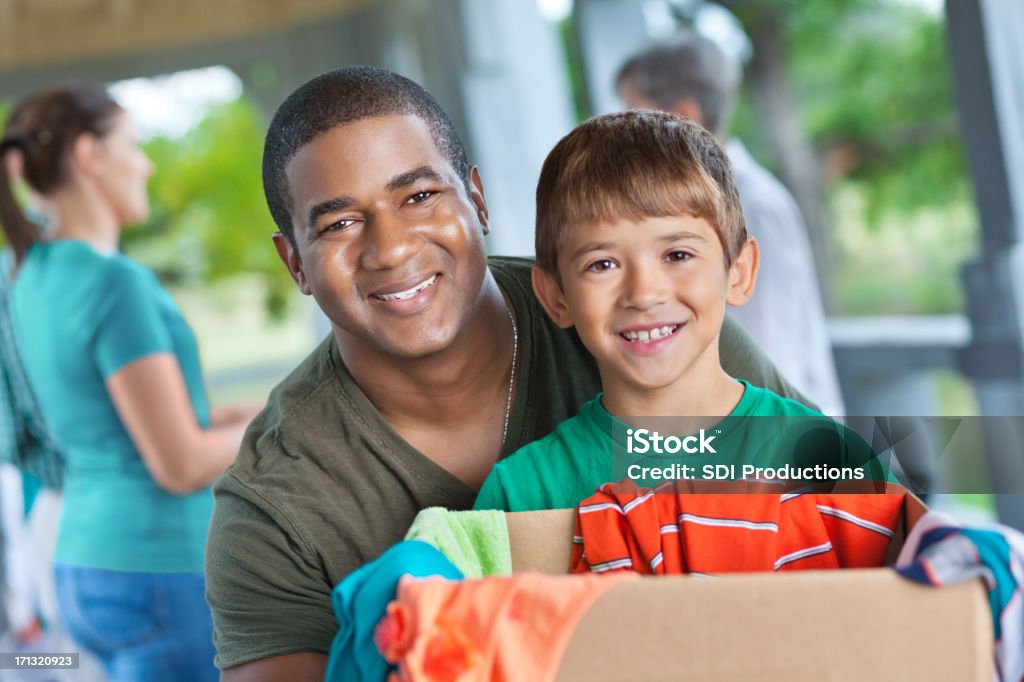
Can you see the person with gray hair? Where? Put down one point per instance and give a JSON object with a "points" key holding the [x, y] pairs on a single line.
{"points": [[691, 76]]}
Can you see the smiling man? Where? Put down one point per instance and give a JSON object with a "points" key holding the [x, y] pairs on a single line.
{"points": [[440, 363]]}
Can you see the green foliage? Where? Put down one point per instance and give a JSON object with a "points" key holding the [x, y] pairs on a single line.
{"points": [[209, 219], [874, 89], [574, 64], [876, 93]]}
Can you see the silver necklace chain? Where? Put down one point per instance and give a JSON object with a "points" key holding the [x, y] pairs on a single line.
{"points": [[512, 374]]}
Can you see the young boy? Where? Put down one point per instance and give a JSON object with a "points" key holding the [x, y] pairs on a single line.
{"points": [[640, 245]]}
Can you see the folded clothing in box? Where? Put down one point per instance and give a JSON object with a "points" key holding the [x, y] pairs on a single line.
{"points": [[845, 625], [834, 625]]}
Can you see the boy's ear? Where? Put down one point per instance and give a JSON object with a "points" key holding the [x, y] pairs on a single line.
{"points": [[290, 257], [550, 295], [743, 274], [476, 195]]}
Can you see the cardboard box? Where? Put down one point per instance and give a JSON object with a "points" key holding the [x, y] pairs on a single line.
{"points": [[811, 626]]}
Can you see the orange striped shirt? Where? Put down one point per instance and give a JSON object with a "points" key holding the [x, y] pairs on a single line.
{"points": [[660, 531]]}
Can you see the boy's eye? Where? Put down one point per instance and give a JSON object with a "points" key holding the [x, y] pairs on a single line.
{"points": [[420, 196], [678, 256], [601, 265]]}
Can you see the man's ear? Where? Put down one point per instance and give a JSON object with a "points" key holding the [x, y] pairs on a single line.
{"points": [[290, 257], [549, 293], [743, 274], [476, 195]]}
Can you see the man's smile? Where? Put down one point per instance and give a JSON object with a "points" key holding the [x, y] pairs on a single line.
{"points": [[402, 291]]}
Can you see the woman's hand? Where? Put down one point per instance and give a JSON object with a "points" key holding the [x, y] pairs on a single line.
{"points": [[153, 403], [233, 414]]}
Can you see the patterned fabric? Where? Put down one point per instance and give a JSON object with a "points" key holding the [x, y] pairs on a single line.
{"points": [[496, 629], [940, 552], [25, 439], [661, 532]]}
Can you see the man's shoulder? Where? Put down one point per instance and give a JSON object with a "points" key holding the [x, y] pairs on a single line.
{"points": [[513, 271], [293, 414], [518, 266]]}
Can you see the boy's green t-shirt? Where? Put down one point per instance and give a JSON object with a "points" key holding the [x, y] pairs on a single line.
{"points": [[764, 430]]}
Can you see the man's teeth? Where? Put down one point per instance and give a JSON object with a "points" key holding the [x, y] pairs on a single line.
{"points": [[408, 293], [652, 335]]}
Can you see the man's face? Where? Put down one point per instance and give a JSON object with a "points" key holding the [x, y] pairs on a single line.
{"points": [[647, 298], [388, 242], [633, 98]]}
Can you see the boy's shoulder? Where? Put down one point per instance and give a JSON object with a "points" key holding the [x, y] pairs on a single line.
{"points": [[766, 403], [806, 436]]}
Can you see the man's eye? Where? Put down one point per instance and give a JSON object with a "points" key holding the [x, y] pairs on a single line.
{"points": [[420, 196], [678, 256], [338, 226], [601, 265]]}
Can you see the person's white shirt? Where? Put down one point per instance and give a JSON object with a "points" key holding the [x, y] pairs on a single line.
{"points": [[785, 316]]}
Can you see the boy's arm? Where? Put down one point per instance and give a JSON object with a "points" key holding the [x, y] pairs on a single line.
{"points": [[741, 358]]}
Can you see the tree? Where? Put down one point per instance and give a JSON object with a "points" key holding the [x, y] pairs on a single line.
{"points": [[853, 92], [209, 219]]}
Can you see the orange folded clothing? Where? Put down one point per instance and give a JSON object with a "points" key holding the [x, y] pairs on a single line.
{"points": [[501, 628], [660, 532]]}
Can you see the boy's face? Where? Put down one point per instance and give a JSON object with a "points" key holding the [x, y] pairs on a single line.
{"points": [[647, 298], [388, 242]]}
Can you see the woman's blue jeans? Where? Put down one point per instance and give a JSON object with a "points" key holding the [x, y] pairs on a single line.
{"points": [[141, 626]]}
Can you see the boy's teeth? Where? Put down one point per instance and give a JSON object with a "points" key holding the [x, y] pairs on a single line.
{"points": [[408, 293], [652, 335]]}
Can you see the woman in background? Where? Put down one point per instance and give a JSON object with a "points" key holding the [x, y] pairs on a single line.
{"points": [[116, 371]]}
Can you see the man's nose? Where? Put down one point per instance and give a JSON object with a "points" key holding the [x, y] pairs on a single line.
{"points": [[389, 242]]}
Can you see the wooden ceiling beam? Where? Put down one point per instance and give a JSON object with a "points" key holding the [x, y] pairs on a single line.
{"points": [[50, 32]]}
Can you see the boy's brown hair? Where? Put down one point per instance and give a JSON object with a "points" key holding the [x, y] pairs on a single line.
{"points": [[635, 165]]}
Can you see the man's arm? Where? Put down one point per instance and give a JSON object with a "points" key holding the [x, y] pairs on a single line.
{"points": [[297, 667], [743, 359], [267, 590]]}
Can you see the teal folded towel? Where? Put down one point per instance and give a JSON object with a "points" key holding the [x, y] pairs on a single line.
{"points": [[475, 541], [362, 599]]}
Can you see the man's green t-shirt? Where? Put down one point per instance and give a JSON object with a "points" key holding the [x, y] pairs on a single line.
{"points": [[763, 430], [323, 484]]}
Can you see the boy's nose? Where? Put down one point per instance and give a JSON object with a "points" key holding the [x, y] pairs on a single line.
{"points": [[389, 243], [644, 288]]}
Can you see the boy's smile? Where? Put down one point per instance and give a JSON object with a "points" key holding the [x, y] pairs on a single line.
{"points": [[648, 339], [647, 298]]}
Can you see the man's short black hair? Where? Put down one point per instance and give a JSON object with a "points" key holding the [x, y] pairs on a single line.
{"points": [[346, 96]]}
